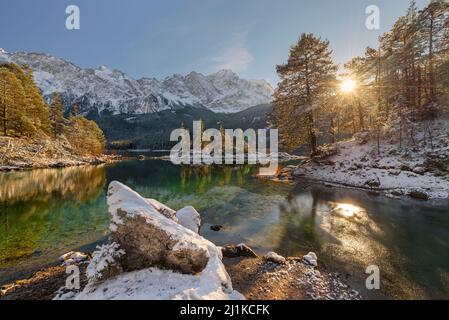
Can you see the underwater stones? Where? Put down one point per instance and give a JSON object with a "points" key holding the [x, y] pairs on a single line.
{"points": [[216, 227]]}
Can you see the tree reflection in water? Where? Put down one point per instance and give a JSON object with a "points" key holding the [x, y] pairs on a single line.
{"points": [[39, 208]]}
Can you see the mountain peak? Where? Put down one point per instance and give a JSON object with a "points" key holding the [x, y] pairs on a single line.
{"points": [[110, 89], [225, 73]]}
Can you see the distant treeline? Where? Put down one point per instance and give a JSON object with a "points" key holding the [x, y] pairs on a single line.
{"points": [[25, 114]]}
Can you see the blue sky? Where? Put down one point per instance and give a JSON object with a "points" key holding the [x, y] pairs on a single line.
{"points": [[158, 38]]}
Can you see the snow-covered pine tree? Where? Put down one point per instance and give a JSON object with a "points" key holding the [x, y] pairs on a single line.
{"points": [[305, 78]]}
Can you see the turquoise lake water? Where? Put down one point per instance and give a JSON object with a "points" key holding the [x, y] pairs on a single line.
{"points": [[45, 213]]}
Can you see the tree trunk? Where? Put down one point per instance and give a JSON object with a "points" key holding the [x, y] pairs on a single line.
{"points": [[312, 134], [431, 69], [361, 120]]}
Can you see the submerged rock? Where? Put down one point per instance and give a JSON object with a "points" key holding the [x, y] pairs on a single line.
{"points": [[216, 227]]}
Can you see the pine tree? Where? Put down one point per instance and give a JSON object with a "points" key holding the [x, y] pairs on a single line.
{"points": [[75, 110], [57, 115], [85, 136], [36, 109], [12, 105], [308, 75]]}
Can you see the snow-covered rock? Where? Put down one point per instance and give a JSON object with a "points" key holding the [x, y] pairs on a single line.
{"points": [[311, 259], [163, 209], [189, 218], [274, 257], [151, 239], [156, 284], [73, 257], [105, 263], [109, 278], [105, 89]]}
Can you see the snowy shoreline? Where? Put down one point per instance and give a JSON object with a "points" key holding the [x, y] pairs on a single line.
{"points": [[17, 154], [354, 164]]}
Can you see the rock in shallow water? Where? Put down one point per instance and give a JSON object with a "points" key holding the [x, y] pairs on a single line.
{"points": [[419, 195]]}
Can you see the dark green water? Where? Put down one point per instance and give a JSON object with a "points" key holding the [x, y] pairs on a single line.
{"points": [[45, 213]]}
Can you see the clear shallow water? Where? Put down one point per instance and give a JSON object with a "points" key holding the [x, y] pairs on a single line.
{"points": [[45, 213]]}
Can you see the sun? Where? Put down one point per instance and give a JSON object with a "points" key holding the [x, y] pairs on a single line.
{"points": [[348, 85]]}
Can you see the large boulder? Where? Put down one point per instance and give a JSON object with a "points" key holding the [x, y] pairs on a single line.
{"points": [[152, 256], [163, 209], [151, 239]]}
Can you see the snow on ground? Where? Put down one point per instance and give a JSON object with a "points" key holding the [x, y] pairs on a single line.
{"points": [[396, 172], [157, 284]]}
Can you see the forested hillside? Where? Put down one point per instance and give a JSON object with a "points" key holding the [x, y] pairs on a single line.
{"points": [[33, 133], [393, 91]]}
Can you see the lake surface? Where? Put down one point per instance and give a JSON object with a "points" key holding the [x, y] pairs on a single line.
{"points": [[45, 213]]}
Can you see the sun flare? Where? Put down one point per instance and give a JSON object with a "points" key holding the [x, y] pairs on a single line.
{"points": [[348, 85]]}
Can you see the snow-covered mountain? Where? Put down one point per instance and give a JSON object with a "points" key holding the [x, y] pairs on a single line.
{"points": [[104, 89]]}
